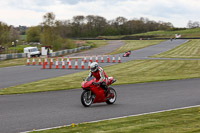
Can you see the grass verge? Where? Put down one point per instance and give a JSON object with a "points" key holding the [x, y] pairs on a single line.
{"points": [[135, 44], [136, 71], [13, 62], [187, 33], [96, 43], [190, 49], [176, 121]]}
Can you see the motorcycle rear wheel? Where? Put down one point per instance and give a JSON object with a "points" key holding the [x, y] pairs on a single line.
{"points": [[86, 98], [112, 100]]}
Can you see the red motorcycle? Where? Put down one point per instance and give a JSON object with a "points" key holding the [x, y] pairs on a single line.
{"points": [[95, 94], [127, 54]]}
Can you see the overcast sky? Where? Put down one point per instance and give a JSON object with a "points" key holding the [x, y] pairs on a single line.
{"points": [[30, 12]]}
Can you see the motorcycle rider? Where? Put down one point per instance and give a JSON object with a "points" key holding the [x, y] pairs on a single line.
{"points": [[100, 75]]}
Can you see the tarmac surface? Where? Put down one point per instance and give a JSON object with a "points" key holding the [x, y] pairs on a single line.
{"points": [[24, 112], [112, 45], [11, 76]]}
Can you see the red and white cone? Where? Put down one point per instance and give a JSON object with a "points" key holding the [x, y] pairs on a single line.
{"points": [[76, 64], [90, 59], [96, 59], [63, 64], [27, 62], [33, 61], [67, 60], [89, 63], [102, 59], [43, 64], [51, 61], [113, 60], [63, 60], [57, 65], [82, 64], [39, 61], [70, 65], [46, 61], [85, 59], [119, 59], [108, 59]]}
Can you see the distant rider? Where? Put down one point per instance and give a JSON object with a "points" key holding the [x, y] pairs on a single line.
{"points": [[100, 75]]}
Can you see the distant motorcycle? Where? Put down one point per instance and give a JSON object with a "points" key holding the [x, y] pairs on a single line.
{"points": [[127, 54], [95, 94]]}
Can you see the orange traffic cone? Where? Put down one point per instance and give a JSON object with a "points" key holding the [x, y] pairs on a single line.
{"points": [[51, 61], [102, 59], [43, 64], [63, 64], [108, 59], [27, 62], [113, 60], [67, 60], [119, 59], [82, 64], [63, 60], [90, 59], [57, 64], [89, 63], [96, 59], [69, 66], [45, 60], [85, 59], [76, 64], [39, 61], [57, 59], [33, 61]]}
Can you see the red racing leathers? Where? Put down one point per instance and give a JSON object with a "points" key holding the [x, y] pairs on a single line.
{"points": [[100, 76]]}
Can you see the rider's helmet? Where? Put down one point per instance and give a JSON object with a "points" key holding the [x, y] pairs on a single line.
{"points": [[94, 66]]}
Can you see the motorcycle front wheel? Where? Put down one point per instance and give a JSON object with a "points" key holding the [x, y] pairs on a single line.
{"points": [[112, 99], [86, 98]]}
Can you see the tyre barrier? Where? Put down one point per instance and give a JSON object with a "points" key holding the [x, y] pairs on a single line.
{"points": [[48, 63]]}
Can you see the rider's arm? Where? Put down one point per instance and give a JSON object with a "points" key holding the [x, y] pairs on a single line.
{"points": [[102, 77], [90, 74]]}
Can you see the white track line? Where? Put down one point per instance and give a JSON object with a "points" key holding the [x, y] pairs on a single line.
{"points": [[116, 118]]}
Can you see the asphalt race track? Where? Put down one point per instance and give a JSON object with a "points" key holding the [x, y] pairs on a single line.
{"points": [[24, 112], [49, 109], [11, 76]]}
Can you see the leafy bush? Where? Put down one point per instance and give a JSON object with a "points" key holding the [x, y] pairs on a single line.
{"points": [[19, 48]]}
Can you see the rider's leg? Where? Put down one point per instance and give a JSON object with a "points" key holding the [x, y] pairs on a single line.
{"points": [[104, 87]]}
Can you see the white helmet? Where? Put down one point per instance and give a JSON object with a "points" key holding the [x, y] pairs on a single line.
{"points": [[94, 66]]}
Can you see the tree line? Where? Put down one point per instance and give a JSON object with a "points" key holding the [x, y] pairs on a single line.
{"points": [[192, 24], [93, 26], [55, 32], [8, 34]]}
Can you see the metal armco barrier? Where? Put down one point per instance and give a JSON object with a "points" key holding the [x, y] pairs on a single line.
{"points": [[54, 54]]}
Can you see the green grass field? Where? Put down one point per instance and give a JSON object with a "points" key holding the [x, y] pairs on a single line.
{"points": [[136, 71], [191, 49], [176, 121], [188, 33], [135, 44], [184, 33], [96, 43]]}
